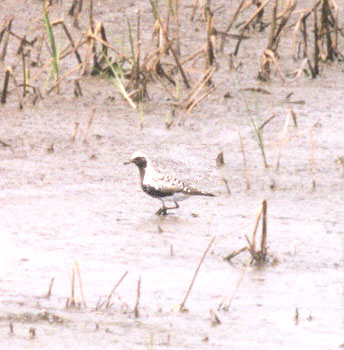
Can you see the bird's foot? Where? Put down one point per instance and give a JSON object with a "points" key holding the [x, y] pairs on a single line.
{"points": [[161, 211]]}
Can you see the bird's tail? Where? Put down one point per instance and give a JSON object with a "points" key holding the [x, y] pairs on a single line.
{"points": [[207, 194]]}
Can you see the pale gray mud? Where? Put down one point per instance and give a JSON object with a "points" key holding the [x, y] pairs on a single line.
{"points": [[65, 201]]}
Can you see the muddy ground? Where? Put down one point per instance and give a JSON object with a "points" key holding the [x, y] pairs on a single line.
{"points": [[65, 201]]}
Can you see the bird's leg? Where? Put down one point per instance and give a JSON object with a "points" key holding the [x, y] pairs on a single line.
{"points": [[176, 207], [163, 210]]}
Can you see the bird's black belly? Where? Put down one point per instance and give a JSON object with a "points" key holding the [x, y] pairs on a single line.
{"points": [[155, 192]]}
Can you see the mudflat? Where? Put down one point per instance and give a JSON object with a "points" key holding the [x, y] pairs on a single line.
{"points": [[71, 211]]}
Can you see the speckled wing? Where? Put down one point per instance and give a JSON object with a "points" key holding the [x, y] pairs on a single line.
{"points": [[164, 186]]}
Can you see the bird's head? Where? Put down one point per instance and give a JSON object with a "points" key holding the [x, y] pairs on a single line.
{"points": [[139, 159]]}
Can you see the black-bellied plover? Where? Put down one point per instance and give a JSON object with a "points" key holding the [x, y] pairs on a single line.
{"points": [[161, 186]]}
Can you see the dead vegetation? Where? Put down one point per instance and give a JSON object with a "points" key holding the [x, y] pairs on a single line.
{"points": [[258, 256], [39, 67]]}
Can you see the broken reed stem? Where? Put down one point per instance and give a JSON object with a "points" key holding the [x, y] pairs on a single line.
{"points": [[312, 158], [164, 85], [176, 36], [26, 73], [182, 308], [72, 295], [273, 25], [114, 288], [207, 93], [264, 230], [223, 37], [209, 52], [192, 56], [76, 271], [75, 50], [76, 11], [75, 131], [106, 44], [91, 15], [175, 56], [248, 22], [89, 52], [227, 186], [20, 100], [89, 125], [169, 6], [316, 45], [194, 8], [244, 160], [138, 52], [241, 278], [138, 295], [50, 287], [253, 241], [199, 86], [64, 53], [7, 37], [5, 88], [235, 253], [64, 76], [282, 141], [80, 284]]}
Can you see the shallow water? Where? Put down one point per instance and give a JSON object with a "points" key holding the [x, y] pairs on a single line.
{"points": [[64, 201]]}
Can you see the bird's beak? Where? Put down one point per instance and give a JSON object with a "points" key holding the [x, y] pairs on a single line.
{"points": [[126, 163]]}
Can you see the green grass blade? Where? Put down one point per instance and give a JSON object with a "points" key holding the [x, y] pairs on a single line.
{"points": [[52, 43], [118, 82]]}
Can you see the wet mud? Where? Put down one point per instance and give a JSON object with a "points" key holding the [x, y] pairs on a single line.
{"points": [[66, 200]]}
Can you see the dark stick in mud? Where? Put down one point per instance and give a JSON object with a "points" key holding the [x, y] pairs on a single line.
{"points": [[223, 38], [235, 253], [50, 287], [255, 14], [114, 288], [25, 73], [168, 42], [138, 295], [5, 88], [316, 45], [194, 8], [227, 186], [21, 105], [182, 308], [75, 49], [91, 15], [209, 52], [264, 230], [7, 37], [273, 25]]}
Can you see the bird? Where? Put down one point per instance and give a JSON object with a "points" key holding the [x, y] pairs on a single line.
{"points": [[162, 186]]}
